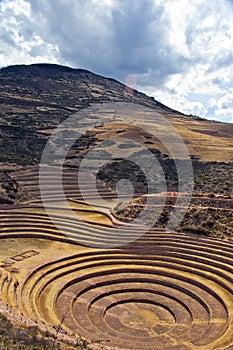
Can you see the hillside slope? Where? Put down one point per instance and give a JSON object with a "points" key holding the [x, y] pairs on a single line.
{"points": [[35, 99]]}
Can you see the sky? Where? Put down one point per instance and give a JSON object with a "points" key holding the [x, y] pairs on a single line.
{"points": [[178, 51]]}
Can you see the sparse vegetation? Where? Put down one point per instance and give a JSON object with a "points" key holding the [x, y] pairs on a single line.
{"points": [[213, 178], [13, 338], [31, 338]]}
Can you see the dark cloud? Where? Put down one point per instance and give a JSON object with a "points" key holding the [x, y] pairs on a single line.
{"points": [[130, 37]]}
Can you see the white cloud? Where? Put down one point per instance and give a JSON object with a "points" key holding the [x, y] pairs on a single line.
{"points": [[224, 102], [20, 42], [202, 33], [180, 51]]}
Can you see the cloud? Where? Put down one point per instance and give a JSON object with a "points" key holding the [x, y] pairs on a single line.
{"points": [[110, 38], [179, 51], [20, 39]]}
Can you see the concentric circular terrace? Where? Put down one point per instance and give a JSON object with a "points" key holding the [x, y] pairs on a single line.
{"points": [[164, 291], [169, 299]]}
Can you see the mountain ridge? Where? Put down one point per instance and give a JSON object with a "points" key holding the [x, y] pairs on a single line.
{"points": [[51, 67], [36, 98]]}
